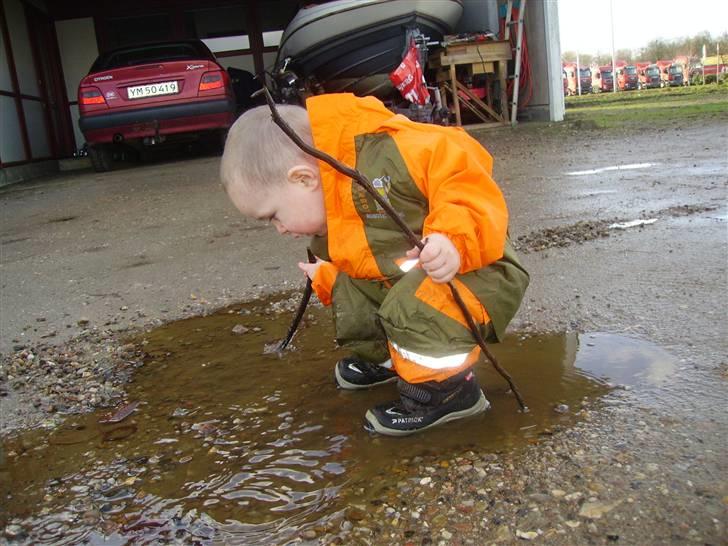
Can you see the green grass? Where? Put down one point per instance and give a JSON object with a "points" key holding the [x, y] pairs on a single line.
{"points": [[653, 106]]}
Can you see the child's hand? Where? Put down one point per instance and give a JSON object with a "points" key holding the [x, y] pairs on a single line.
{"points": [[440, 259], [310, 269]]}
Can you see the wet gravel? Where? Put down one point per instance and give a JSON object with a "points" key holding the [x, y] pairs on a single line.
{"points": [[641, 468], [41, 383], [575, 486]]}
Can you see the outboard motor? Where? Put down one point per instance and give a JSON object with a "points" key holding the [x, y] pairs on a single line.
{"points": [[288, 85], [244, 84]]}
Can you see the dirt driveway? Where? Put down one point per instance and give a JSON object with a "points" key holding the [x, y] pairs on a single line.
{"points": [[87, 253]]}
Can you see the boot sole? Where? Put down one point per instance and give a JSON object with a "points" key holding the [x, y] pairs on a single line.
{"points": [[346, 385], [375, 426]]}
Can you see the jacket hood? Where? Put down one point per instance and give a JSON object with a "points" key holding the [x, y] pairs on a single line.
{"points": [[338, 117]]}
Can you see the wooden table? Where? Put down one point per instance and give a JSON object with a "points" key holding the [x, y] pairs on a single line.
{"points": [[478, 58]]}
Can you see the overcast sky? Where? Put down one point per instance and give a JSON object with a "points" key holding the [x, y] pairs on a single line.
{"points": [[584, 24]]}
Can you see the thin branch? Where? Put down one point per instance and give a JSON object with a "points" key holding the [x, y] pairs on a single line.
{"points": [[301, 308]]}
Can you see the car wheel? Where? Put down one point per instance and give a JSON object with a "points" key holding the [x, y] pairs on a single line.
{"points": [[101, 157], [222, 138], [214, 141]]}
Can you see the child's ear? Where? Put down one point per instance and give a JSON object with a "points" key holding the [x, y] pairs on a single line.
{"points": [[304, 174]]}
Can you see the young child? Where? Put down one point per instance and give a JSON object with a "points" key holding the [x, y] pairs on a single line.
{"points": [[391, 306]]}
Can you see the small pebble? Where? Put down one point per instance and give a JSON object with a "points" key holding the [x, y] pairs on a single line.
{"points": [[239, 329]]}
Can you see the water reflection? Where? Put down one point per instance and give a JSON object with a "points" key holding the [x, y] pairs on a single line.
{"points": [[626, 167], [231, 443]]}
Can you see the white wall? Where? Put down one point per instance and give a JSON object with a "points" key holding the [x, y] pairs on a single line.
{"points": [[11, 145], [11, 142], [542, 30], [553, 56], [243, 62], [77, 45], [5, 83], [22, 53], [35, 121], [11, 148]]}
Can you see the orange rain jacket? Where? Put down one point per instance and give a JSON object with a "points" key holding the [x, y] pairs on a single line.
{"points": [[451, 169], [439, 180]]}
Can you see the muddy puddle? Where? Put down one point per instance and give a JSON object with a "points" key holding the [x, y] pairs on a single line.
{"points": [[249, 448]]}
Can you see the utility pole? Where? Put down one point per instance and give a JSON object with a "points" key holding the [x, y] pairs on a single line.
{"points": [[614, 67], [578, 74], [720, 63]]}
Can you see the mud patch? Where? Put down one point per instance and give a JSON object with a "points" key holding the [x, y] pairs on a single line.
{"points": [[94, 249], [563, 236], [589, 230], [585, 124], [61, 219], [141, 261], [11, 241], [686, 210]]}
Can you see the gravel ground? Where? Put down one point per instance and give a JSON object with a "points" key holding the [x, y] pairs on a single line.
{"points": [[89, 257]]}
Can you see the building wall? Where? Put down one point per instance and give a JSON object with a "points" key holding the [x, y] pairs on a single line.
{"points": [[542, 30], [12, 142], [22, 105], [28, 142]]}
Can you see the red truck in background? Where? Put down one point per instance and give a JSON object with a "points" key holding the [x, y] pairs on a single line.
{"points": [[648, 74], [684, 62], [713, 66], [572, 86], [602, 79], [671, 74], [626, 76]]}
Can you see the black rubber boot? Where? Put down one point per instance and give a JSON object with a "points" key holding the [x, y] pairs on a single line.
{"points": [[353, 373], [425, 405]]}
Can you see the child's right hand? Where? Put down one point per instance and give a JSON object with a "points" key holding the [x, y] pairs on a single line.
{"points": [[440, 259], [310, 269]]}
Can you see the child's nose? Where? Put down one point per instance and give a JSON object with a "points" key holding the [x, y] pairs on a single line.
{"points": [[279, 227]]}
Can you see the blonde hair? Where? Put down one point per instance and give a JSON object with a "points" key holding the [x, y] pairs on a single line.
{"points": [[259, 153]]}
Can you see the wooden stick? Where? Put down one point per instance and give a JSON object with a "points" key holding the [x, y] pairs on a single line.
{"points": [[301, 308], [360, 179]]}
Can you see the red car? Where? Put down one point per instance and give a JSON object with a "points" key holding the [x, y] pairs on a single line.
{"points": [[146, 94]]}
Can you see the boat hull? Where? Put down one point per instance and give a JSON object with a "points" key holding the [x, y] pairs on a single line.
{"points": [[350, 46]]}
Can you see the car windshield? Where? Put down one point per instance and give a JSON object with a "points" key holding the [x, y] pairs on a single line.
{"points": [[675, 70], [151, 54], [585, 73], [606, 74], [653, 71], [630, 70]]}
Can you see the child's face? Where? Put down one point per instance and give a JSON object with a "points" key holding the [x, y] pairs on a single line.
{"points": [[295, 207]]}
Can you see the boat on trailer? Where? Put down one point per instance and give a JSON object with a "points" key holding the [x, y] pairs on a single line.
{"points": [[352, 45]]}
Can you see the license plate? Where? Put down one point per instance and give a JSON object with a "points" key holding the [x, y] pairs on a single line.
{"points": [[152, 90]]}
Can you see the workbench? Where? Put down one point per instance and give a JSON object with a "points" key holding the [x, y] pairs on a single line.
{"points": [[474, 58]]}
